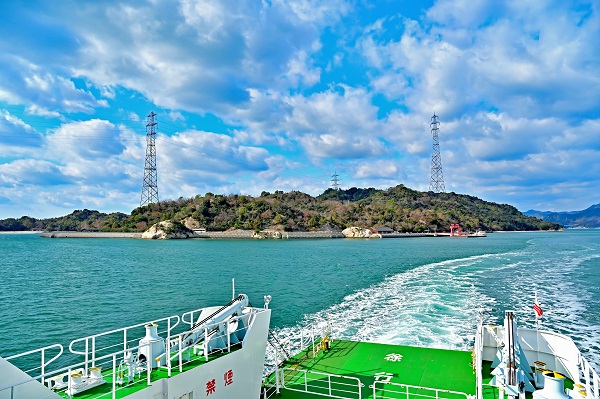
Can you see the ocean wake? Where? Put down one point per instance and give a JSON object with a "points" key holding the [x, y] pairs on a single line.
{"points": [[438, 304]]}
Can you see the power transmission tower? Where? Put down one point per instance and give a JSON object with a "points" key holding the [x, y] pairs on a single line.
{"points": [[335, 181], [436, 183], [150, 186]]}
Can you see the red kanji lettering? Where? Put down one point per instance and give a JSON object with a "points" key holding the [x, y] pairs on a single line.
{"points": [[211, 386], [228, 377]]}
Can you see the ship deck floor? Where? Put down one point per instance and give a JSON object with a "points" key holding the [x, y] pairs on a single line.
{"points": [[449, 370], [424, 367]]}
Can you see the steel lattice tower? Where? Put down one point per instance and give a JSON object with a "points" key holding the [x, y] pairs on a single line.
{"points": [[335, 181], [150, 186], [437, 177]]}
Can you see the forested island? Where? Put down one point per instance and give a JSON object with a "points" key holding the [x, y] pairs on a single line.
{"points": [[399, 208]]}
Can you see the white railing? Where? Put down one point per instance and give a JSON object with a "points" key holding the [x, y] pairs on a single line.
{"points": [[90, 342], [306, 338], [478, 361], [43, 361], [392, 390], [127, 342], [329, 385], [111, 359]]}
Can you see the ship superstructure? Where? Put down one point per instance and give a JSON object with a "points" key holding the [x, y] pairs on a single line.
{"points": [[219, 352], [215, 351]]}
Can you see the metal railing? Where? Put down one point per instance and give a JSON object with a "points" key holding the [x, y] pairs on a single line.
{"points": [[70, 370], [478, 360], [43, 362], [313, 382], [123, 343], [392, 390]]}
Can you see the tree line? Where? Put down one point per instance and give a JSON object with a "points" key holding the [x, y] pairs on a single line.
{"points": [[399, 208]]}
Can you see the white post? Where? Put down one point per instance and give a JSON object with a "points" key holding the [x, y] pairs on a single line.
{"points": [[206, 343], [86, 353], [305, 381], [114, 377], [228, 336], [276, 371], [180, 351], [43, 365], [232, 289], [149, 362], [93, 354], [168, 355], [125, 340], [69, 382]]}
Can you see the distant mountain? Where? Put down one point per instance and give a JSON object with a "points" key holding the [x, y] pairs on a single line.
{"points": [[589, 217]]}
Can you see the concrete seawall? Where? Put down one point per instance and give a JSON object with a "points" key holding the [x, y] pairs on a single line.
{"points": [[225, 235], [246, 234], [87, 234], [217, 235]]}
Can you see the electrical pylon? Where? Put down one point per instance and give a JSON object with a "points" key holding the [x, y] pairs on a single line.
{"points": [[335, 181], [436, 183], [150, 186]]}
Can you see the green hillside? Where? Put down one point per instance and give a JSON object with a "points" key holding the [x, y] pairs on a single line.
{"points": [[399, 208]]}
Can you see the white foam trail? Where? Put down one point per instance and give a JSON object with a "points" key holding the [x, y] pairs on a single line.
{"points": [[436, 304]]}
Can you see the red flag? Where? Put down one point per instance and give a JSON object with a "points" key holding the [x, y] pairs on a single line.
{"points": [[538, 310]]}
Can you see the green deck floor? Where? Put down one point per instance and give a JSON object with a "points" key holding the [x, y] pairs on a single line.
{"points": [[433, 368]]}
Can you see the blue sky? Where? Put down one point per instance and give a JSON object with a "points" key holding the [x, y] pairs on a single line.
{"points": [[255, 96]]}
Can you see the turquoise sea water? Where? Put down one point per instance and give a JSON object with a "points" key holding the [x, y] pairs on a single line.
{"points": [[418, 291]]}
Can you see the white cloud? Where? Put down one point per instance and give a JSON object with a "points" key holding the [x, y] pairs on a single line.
{"points": [[513, 58], [222, 49], [44, 91], [387, 169], [92, 140], [17, 137], [31, 172], [336, 125]]}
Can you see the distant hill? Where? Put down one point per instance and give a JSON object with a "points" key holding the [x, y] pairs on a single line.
{"points": [[79, 220], [399, 208], [589, 217]]}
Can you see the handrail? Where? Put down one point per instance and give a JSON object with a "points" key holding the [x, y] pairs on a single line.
{"points": [[478, 360], [124, 329], [43, 351], [70, 367], [330, 390], [407, 395]]}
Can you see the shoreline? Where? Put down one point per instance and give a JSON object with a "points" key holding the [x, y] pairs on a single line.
{"points": [[238, 234], [21, 232]]}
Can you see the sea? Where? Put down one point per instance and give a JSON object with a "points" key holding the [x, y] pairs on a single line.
{"points": [[411, 291]]}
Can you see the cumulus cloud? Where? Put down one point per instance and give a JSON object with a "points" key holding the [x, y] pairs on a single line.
{"points": [[16, 136], [45, 92], [336, 124], [514, 57], [298, 86], [31, 172], [222, 49], [377, 169], [92, 139]]}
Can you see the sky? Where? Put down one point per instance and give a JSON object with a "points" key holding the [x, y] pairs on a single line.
{"points": [[254, 96]]}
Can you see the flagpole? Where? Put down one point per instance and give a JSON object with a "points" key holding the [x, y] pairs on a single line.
{"points": [[537, 331]]}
